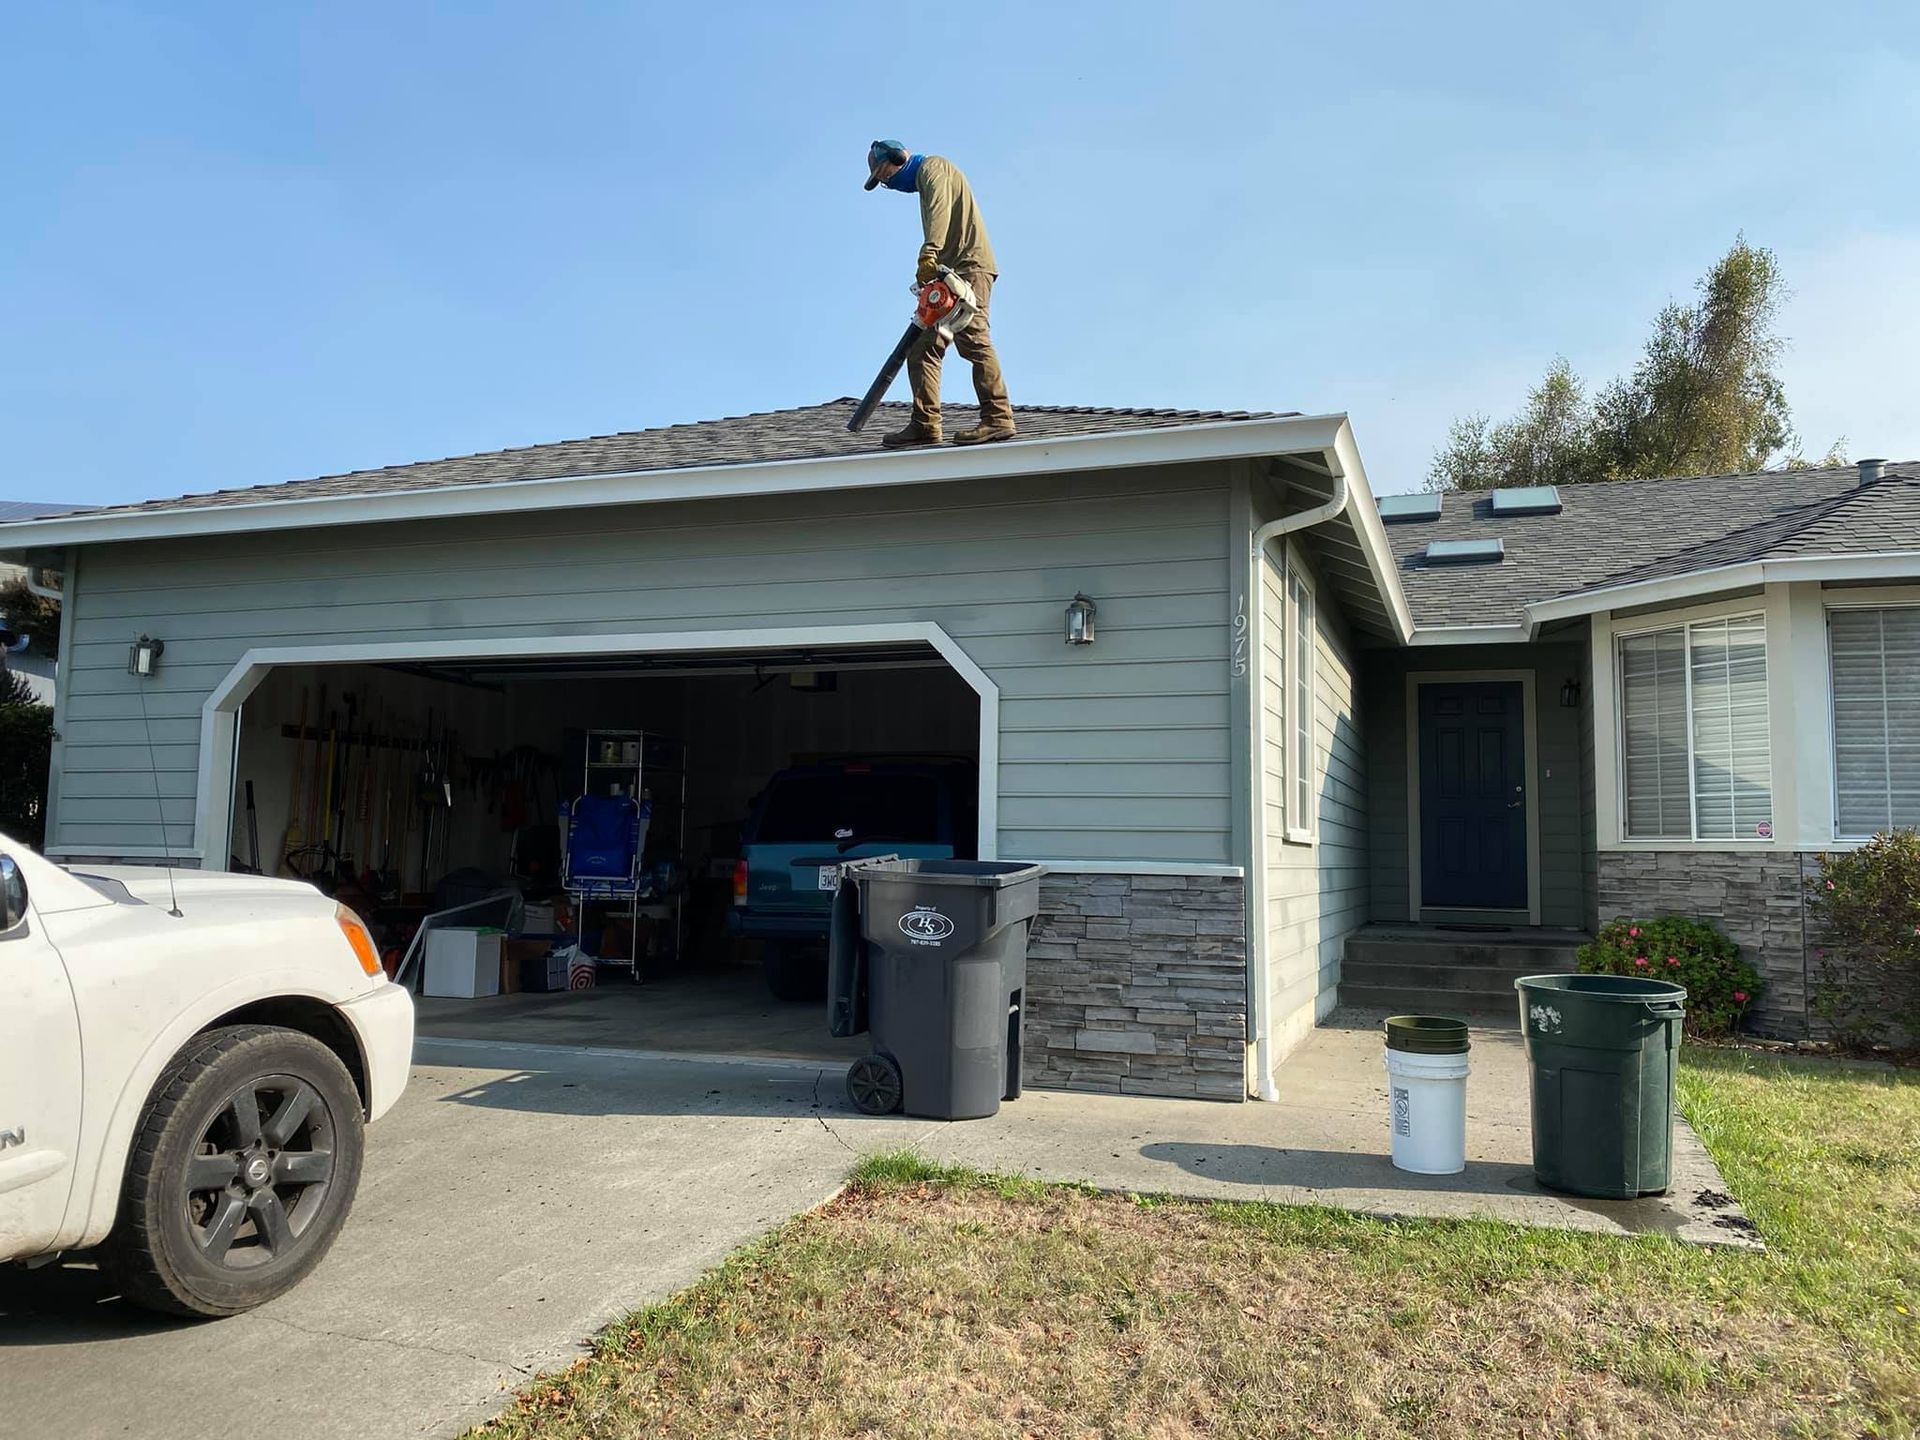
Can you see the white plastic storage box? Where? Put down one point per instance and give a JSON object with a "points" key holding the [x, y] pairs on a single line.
{"points": [[463, 964]]}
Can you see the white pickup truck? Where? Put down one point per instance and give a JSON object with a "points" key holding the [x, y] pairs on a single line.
{"points": [[186, 1067]]}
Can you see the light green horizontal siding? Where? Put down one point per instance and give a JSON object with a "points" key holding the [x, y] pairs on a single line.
{"points": [[1115, 752], [1315, 893]]}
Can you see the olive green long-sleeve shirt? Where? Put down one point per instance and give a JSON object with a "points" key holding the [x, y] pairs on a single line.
{"points": [[956, 235]]}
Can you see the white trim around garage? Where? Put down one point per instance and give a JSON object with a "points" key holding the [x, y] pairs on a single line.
{"points": [[1530, 738], [219, 729]]}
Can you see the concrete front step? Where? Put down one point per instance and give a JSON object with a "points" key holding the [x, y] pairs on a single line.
{"points": [[1492, 979], [1404, 1000], [1509, 959]]}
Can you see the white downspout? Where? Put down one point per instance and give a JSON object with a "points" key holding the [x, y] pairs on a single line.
{"points": [[1273, 529]]}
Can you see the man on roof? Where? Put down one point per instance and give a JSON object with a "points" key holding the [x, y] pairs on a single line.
{"points": [[955, 236]]}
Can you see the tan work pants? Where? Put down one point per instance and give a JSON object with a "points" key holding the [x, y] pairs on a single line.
{"points": [[975, 345]]}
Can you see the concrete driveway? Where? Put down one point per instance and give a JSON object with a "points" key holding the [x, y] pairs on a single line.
{"points": [[520, 1197], [516, 1200]]}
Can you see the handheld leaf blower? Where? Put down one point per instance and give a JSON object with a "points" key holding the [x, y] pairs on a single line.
{"points": [[945, 304]]}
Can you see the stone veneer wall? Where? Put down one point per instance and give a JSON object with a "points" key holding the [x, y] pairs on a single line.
{"points": [[1757, 896], [1137, 985]]}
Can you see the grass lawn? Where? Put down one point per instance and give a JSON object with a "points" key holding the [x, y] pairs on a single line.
{"points": [[930, 1303]]}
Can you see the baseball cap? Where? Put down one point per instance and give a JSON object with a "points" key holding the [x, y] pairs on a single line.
{"points": [[883, 152]]}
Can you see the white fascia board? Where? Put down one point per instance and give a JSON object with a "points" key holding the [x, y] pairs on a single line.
{"points": [[1870, 565], [1371, 530], [1516, 633], [1166, 445]]}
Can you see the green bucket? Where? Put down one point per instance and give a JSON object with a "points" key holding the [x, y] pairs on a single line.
{"points": [[1427, 1035]]}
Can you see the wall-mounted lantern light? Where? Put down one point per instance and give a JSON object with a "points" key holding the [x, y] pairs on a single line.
{"points": [[1570, 694], [1080, 620], [143, 658]]}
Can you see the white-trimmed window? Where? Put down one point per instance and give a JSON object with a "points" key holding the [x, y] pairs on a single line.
{"points": [[1875, 662], [1300, 657], [1695, 749]]}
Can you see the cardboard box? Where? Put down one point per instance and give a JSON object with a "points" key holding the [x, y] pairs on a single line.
{"points": [[463, 964], [537, 919], [536, 964]]}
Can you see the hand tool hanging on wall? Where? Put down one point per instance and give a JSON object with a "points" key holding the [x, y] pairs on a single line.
{"points": [[253, 833], [337, 833], [296, 836]]}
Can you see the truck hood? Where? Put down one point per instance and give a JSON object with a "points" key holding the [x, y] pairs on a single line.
{"points": [[199, 889]]}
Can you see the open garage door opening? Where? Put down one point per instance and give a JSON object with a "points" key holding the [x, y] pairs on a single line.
{"points": [[670, 826]]}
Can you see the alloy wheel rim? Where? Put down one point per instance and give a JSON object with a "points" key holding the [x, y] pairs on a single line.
{"points": [[260, 1173]]}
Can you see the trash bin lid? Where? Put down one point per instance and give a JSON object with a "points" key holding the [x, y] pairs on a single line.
{"points": [[973, 874], [1604, 988], [1427, 1035]]}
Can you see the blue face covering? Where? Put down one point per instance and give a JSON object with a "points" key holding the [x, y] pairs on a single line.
{"points": [[907, 178]]}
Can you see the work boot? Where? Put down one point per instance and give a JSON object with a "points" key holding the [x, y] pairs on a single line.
{"points": [[986, 432], [912, 435]]}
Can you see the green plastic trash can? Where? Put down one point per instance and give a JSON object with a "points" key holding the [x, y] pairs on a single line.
{"points": [[1602, 1051]]}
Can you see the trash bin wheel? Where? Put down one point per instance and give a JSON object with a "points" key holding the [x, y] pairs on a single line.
{"points": [[873, 1085]]}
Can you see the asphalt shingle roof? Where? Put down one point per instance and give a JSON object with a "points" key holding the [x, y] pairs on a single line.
{"points": [[1629, 530], [11, 510], [807, 433]]}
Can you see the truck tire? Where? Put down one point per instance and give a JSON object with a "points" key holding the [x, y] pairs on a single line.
{"points": [[795, 971], [242, 1171]]}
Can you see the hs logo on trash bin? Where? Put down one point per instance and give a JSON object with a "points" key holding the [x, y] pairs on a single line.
{"points": [[924, 925]]}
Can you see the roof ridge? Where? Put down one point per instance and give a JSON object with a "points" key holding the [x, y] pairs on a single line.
{"points": [[1784, 472]]}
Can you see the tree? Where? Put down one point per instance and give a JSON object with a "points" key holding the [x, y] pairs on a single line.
{"points": [[26, 748], [1703, 398], [31, 614]]}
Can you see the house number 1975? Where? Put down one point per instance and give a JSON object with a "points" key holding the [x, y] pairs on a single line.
{"points": [[1240, 637]]}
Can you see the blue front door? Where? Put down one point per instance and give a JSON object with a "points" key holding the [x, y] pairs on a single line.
{"points": [[1473, 799]]}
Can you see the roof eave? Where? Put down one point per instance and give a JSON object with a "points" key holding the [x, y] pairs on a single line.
{"points": [[1364, 514], [1866, 565], [1171, 444]]}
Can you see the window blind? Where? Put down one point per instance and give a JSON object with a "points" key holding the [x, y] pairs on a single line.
{"points": [[1875, 662], [1653, 690], [1303, 668], [1695, 745]]}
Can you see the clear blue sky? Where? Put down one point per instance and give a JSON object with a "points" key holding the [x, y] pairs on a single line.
{"points": [[252, 242]]}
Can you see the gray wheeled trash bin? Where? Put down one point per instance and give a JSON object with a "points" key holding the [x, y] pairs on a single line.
{"points": [[929, 957]]}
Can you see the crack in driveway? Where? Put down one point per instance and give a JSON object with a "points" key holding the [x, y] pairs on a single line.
{"points": [[397, 1344]]}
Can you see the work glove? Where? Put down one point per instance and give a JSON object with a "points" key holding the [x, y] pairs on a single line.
{"points": [[926, 271]]}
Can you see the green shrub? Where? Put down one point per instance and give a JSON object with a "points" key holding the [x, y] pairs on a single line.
{"points": [[1866, 905], [26, 747], [1720, 985]]}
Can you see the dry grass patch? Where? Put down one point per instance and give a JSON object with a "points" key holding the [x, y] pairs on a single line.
{"points": [[945, 1304]]}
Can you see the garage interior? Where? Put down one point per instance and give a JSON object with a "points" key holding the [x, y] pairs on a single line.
{"points": [[406, 789]]}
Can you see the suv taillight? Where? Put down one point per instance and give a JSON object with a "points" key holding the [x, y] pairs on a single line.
{"points": [[739, 882]]}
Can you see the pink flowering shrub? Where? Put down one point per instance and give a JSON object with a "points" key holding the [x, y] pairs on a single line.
{"points": [[1720, 985], [1865, 904]]}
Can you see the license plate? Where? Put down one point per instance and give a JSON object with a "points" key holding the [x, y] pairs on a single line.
{"points": [[829, 877]]}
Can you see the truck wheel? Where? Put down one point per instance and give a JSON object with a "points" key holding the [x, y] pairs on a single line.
{"points": [[794, 971], [242, 1171]]}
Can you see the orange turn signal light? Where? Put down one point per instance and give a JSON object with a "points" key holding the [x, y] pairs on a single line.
{"points": [[355, 929]]}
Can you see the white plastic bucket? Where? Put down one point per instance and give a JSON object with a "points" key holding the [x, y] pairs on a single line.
{"points": [[1427, 1112]]}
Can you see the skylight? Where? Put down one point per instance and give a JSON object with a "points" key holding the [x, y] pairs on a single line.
{"points": [[1527, 500], [1465, 552], [1409, 507]]}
